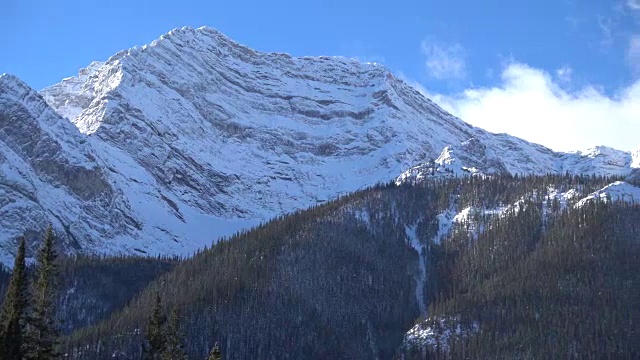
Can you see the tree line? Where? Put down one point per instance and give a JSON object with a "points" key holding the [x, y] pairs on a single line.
{"points": [[27, 320], [29, 325], [339, 280]]}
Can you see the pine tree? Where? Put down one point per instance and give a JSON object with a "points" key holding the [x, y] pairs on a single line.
{"points": [[42, 332], [13, 313], [155, 344], [174, 339], [215, 353]]}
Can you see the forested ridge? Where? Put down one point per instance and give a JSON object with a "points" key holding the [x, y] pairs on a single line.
{"points": [[565, 288], [540, 279]]}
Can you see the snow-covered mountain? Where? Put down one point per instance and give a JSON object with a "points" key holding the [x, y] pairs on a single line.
{"points": [[195, 136], [472, 158]]}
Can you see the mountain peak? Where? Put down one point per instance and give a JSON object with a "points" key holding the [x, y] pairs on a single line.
{"points": [[203, 41], [193, 31], [601, 150], [185, 61], [187, 34], [195, 131], [12, 85]]}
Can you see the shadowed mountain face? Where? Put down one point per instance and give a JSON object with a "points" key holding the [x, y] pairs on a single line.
{"points": [[195, 136]]}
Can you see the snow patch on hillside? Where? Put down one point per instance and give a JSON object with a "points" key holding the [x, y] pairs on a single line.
{"points": [[436, 333], [475, 219], [445, 223], [364, 217], [563, 197], [617, 191]]}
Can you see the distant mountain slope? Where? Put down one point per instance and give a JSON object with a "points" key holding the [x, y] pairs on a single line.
{"points": [[196, 136], [91, 288]]}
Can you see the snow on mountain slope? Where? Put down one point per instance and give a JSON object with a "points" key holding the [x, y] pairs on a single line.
{"points": [[445, 166], [618, 191], [243, 134], [473, 160], [635, 158], [599, 160], [83, 85], [474, 220], [48, 173], [195, 136]]}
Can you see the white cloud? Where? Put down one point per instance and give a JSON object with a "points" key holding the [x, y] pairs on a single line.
{"points": [[531, 104], [444, 61], [634, 4]]}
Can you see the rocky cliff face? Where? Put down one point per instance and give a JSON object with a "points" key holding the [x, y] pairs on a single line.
{"points": [[49, 174], [195, 136]]}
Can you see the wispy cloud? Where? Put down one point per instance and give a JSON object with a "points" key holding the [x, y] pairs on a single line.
{"points": [[565, 74], [533, 104], [444, 61], [573, 21], [606, 30], [633, 4], [633, 54]]}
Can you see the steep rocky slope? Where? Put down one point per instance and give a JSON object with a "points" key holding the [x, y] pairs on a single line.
{"points": [[48, 173], [195, 136]]}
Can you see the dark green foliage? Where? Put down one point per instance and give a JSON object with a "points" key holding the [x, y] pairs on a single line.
{"points": [[13, 313], [565, 288], [155, 343], [339, 280], [5, 277], [317, 283], [91, 288], [174, 349], [42, 330]]}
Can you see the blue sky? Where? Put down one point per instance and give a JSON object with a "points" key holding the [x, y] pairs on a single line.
{"points": [[579, 60]]}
